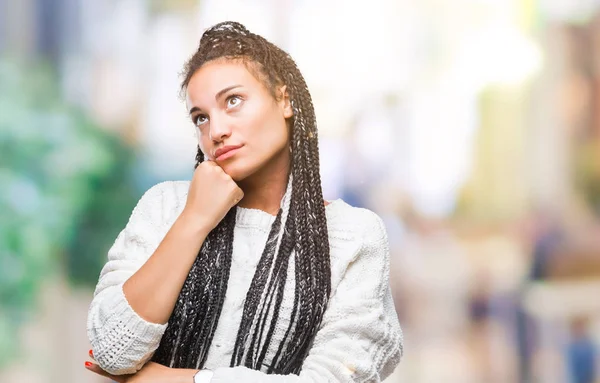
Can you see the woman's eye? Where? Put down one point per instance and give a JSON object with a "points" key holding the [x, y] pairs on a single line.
{"points": [[200, 119], [233, 101]]}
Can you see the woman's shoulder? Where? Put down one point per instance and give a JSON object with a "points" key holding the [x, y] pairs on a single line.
{"points": [[348, 222], [357, 236]]}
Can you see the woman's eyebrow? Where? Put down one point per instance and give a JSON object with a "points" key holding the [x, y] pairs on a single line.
{"points": [[225, 90], [217, 96]]}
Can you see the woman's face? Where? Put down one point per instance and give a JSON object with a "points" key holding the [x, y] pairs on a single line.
{"points": [[241, 126]]}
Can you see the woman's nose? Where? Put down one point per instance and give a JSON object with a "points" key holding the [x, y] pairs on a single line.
{"points": [[220, 129]]}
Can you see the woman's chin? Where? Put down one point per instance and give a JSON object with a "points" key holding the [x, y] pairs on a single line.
{"points": [[235, 172]]}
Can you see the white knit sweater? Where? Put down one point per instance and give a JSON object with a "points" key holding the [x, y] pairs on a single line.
{"points": [[359, 339]]}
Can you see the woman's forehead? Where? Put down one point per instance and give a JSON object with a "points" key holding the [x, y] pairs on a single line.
{"points": [[214, 76], [211, 78], [219, 72]]}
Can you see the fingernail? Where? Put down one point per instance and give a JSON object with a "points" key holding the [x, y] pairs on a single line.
{"points": [[91, 353], [88, 364]]}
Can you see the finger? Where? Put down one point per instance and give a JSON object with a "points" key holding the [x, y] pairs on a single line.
{"points": [[91, 354], [239, 196], [93, 367]]}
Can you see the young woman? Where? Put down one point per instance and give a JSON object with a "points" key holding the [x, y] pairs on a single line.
{"points": [[245, 274]]}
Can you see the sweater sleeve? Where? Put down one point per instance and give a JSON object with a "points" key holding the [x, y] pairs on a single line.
{"points": [[360, 339], [121, 340]]}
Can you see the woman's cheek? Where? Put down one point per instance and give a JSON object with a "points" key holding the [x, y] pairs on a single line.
{"points": [[204, 144]]}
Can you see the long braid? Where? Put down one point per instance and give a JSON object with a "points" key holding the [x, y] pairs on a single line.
{"points": [[313, 243], [300, 228], [276, 289], [200, 300], [253, 297]]}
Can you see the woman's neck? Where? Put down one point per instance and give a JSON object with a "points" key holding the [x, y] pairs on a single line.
{"points": [[266, 197], [265, 189]]}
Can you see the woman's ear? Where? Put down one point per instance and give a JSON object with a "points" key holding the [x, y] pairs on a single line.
{"points": [[284, 102]]}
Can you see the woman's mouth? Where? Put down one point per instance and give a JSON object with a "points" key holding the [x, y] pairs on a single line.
{"points": [[226, 152]]}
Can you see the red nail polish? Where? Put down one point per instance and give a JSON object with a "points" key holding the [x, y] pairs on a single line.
{"points": [[91, 353], [88, 364]]}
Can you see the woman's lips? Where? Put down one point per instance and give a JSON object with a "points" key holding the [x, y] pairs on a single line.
{"points": [[226, 152]]}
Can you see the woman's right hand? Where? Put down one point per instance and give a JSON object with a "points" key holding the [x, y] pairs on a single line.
{"points": [[211, 195]]}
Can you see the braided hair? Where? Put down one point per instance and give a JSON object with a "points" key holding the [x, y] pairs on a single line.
{"points": [[299, 229]]}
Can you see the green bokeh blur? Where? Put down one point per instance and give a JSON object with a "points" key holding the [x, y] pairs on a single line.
{"points": [[65, 191]]}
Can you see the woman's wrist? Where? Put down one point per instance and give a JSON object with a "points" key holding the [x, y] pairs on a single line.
{"points": [[192, 221], [184, 375]]}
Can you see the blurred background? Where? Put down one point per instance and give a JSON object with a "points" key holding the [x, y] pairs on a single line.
{"points": [[472, 127]]}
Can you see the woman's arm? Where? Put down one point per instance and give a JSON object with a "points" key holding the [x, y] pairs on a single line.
{"points": [[123, 331], [153, 290], [148, 265], [360, 339]]}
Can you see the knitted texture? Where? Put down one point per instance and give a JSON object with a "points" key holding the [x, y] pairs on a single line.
{"points": [[359, 339]]}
